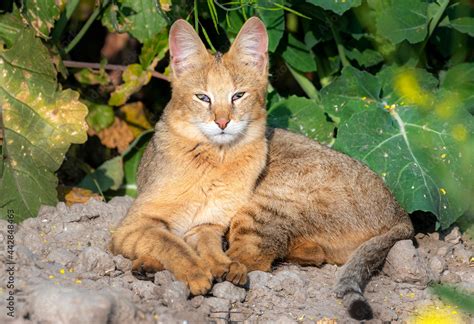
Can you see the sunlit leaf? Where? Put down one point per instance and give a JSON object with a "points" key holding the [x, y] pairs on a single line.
{"points": [[274, 21], [134, 77], [41, 15], [40, 122]]}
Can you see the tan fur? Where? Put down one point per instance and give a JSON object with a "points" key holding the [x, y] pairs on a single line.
{"points": [[190, 187], [284, 196]]}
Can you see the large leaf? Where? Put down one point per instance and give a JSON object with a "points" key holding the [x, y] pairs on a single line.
{"points": [[274, 21], [464, 25], [338, 7], [303, 116], [298, 55], [419, 140], [40, 122], [107, 176], [400, 20], [460, 79], [41, 15], [143, 19], [353, 91]]}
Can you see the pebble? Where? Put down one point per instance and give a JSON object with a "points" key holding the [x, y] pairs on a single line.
{"points": [[94, 260], [227, 290]]}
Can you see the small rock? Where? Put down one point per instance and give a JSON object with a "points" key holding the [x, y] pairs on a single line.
{"points": [[61, 256], [217, 305], [259, 279], [197, 301], [461, 254], [227, 290], [145, 289], [121, 263], [450, 277], [24, 256], [444, 250], [94, 260], [175, 295], [454, 236], [404, 264], [286, 280], [434, 236], [53, 304], [164, 278], [437, 265]]}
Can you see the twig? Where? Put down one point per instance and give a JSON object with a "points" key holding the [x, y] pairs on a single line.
{"points": [[113, 67]]}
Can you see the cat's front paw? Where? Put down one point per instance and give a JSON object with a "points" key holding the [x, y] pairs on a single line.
{"points": [[199, 281], [237, 273], [146, 264]]}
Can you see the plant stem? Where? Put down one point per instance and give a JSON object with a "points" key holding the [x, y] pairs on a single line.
{"points": [[340, 48], [112, 67], [84, 28], [63, 20]]}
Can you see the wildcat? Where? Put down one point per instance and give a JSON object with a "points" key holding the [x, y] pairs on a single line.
{"points": [[212, 163]]}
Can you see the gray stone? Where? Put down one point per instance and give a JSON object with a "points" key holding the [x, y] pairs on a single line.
{"points": [[444, 250], [175, 295], [121, 263], [23, 255], [461, 254], [404, 264], [454, 236], [217, 305], [286, 280], [144, 289], [164, 278], [53, 304], [61, 256], [450, 277], [229, 291], [94, 260], [437, 265], [259, 279]]}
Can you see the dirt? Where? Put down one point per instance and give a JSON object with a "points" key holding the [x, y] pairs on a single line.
{"points": [[64, 273]]}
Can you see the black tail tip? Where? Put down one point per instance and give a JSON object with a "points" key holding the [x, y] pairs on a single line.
{"points": [[360, 310]]}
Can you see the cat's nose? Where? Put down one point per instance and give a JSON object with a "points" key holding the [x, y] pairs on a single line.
{"points": [[222, 123]]}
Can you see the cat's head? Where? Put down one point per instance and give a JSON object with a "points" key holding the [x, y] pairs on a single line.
{"points": [[219, 98]]}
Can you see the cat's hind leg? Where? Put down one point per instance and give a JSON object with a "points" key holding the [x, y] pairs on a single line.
{"points": [[305, 251], [206, 239]]}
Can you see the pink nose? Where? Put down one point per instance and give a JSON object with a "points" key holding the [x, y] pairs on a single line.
{"points": [[222, 122]]}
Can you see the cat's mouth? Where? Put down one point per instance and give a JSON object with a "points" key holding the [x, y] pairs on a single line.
{"points": [[233, 131]]}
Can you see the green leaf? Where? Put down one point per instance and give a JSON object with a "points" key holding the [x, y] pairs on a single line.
{"points": [[303, 116], [305, 84], [40, 15], [134, 77], [274, 20], [366, 58], [10, 26], [338, 7], [143, 19], [132, 160], [464, 25], [154, 48], [40, 122], [400, 20], [460, 79], [418, 138], [352, 92], [455, 296], [298, 55], [99, 116], [107, 176], [92, 77]]}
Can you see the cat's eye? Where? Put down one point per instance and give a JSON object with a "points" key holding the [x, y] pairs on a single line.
{"points": [[237, 96], [203, 97]]}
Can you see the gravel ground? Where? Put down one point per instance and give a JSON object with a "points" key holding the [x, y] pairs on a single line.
{"points": [[65, 274]]}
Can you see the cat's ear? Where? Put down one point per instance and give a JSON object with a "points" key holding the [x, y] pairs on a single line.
{"points": [[186, 48], [250, 47]]}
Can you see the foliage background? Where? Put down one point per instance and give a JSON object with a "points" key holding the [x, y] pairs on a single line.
{"points": [[389, 82]]}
